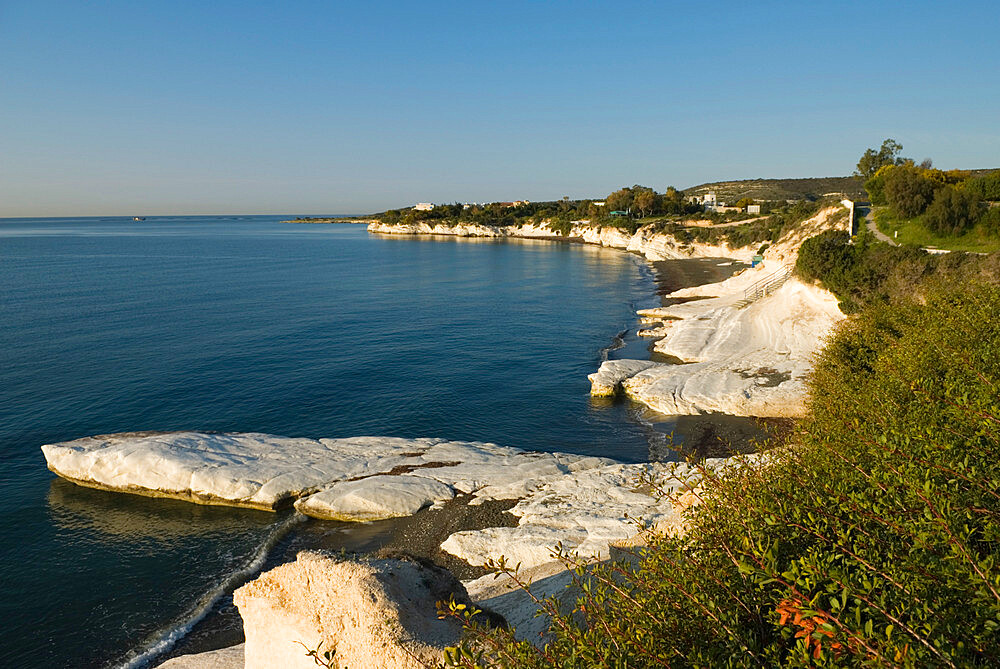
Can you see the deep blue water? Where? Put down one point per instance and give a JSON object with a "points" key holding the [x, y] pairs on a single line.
{"points": [[249, 324]]}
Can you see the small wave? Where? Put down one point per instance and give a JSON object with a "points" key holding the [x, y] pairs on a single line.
{"points": [[662, 445], [170, 635], [616, 343]]}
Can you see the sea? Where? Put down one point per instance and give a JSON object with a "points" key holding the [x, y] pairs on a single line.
{"points": [[252, 324]]}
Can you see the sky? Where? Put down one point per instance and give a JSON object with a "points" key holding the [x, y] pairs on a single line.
{"points": [[297, 107]]}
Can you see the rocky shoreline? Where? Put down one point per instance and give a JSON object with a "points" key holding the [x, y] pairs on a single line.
{"points": [[585, 504], [465, 504], [730, 350]]}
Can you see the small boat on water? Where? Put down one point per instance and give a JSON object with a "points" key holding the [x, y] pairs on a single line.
{"points": [[138, 218]]}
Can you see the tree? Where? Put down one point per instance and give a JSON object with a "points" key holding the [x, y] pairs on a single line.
{"points": [[952, 212], [872, 160], [908, 190], [620, 200], [644, 199]]}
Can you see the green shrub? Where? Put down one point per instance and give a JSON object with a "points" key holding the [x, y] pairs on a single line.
{"points": [[875, 185], [867, 273], [991, 221], [985, 187], [873, 542], [908, 190], [562, 225], [953, 211]]}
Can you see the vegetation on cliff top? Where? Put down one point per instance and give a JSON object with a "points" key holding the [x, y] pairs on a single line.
{"points": [[863, 272], [930, 207], [668, 212], [873, 541]]}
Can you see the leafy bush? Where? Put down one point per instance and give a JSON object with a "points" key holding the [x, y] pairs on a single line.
{"points": [[874, 542], [991, 221], [875, 185], [985, 187], [867, 273], [952, 212], [908, 191], [561, 225]]}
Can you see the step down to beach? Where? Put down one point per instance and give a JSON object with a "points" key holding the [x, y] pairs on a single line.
{"points": [[765, 286]]}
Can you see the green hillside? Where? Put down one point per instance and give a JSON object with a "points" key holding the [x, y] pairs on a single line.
{"points": [[782, 189]]}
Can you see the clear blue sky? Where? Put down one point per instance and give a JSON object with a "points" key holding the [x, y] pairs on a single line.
{"points": [[315, 107]]}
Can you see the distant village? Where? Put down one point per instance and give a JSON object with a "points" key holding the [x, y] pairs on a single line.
{"points": [[427, 206], [708, 201]]}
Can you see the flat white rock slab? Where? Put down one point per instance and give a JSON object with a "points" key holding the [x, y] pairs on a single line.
{"points": [[267, 472], [583, 511], [375, 498]]}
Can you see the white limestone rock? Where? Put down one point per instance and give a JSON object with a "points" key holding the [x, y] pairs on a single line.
{"points": [[500, 594], [358, 478], [746, 362], [375, 614], [583, 511], [375, 498], [606, 381], [645, 241]]}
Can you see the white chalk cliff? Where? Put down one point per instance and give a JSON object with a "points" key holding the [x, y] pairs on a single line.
{"points": [[741, 359], [653, 245]]}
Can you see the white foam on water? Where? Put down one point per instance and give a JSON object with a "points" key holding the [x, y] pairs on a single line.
{"points": [[165, 639]]}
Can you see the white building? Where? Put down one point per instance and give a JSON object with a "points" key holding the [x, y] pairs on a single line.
{"points": [[709, 202], [753, 208], [423, 206]]}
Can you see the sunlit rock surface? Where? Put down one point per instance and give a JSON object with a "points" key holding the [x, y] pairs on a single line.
{"points": [[375, 498], [583, 511], [743, 357], [266, 472], [373, 614], [606, 381], [653, 245], [224, 658], [750, 361]]}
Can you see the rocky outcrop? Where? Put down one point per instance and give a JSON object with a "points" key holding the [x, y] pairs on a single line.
{"points": [[606, 382], [584, 512], [383, 611], [358, 478], [741, 359], [373, 614], [751, 361]]}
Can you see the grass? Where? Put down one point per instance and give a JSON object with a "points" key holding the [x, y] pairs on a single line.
{"points": [[911, 231]]}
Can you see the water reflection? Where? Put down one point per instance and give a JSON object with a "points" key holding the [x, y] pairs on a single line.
{"points": [[714, 435], [126, 517]]}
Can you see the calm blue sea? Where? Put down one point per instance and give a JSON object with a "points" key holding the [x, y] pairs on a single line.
{"points": [[250, 324]]}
